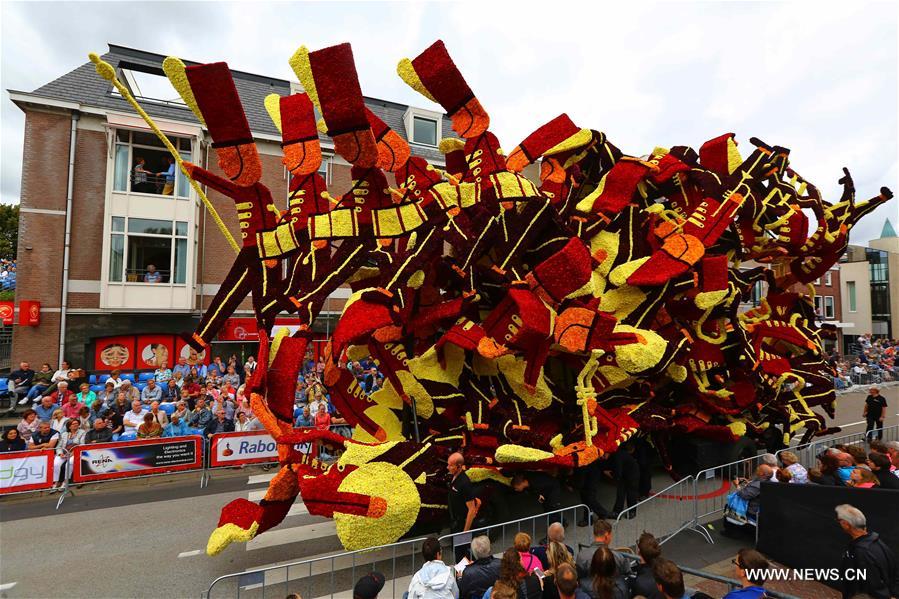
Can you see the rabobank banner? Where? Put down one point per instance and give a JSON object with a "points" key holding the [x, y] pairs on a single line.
{"points": [[250, 447]]}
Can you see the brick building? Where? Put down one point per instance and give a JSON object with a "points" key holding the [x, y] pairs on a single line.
{"points": [[90, 227]]}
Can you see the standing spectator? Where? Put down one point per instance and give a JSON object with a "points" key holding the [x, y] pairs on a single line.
{"points": [[149, 428], [28, 425], [558, 555], [139, 180], [72, 407], [158, 415], [435, 580], [99, 433], [20, 380], [11, 441], [602, 537], [555, 533], [749, 561], [482, 573], [43, 378], [566, 583], [522, 544], [152, 392], [169, 174], [200, 416], [880, 466], [669, 580], [133, 419], [604, 581], [875, 408], [72, 436], [645, 583], [369, 586], [162, 374], [44, 437]]}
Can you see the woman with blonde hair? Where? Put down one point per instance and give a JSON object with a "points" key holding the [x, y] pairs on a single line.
{"points": [[58, 421], [791, 462], [557, 554]]}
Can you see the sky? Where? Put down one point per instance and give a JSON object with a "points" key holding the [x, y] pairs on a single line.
{"points": [[819, 78]]}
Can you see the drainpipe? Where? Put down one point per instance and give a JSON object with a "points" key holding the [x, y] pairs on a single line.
{"points": [[68, 238]]}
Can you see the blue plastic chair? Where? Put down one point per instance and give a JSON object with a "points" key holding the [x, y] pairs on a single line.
{"points": [[128, 437], [145, 376], [140, 386], [127, 377], [168, 408], [92, 379], [97, 388], [102, 378]]}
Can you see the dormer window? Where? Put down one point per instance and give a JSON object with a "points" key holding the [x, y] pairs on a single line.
{"points": [[423, 127]]}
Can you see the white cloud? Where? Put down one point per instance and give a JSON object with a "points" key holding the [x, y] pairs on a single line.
{"points": [[819, 78]]}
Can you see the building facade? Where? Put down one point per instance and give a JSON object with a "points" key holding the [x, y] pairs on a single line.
{"points": [[98, 220]]}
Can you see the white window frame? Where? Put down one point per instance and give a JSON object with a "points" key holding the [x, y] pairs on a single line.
{"points": [[819, 306], [818, 281], [851, 294], [131, 146], [831, 313], [409, 121], [828, 279], [174, 237]]}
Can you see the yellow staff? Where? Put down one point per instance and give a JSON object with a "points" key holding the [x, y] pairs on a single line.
{"points": [[106, 70]]}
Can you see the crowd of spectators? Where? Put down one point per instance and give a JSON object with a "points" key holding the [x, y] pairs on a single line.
{"points": [[7, 274], [873, 361]]}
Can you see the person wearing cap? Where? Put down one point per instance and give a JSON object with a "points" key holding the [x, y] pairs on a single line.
{"points": [[369, 586], [209, 90]]}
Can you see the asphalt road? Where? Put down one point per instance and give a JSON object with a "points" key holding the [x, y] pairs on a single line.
{"points": [[146, 537]]}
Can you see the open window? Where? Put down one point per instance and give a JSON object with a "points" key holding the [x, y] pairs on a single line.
{"points": [[145, 250], [144, 165]]}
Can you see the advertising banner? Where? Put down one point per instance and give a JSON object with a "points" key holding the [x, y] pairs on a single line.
{"points": [[192, 356], [29, 313], [26, 471], [250, 447], [113, 353], [107, 461], [7, 312], [154, 350]]}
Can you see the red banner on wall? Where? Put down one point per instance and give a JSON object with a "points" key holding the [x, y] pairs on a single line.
{"points": [[111, 353], [192, 356], [7, 312], [29, 313], [154, 350]]}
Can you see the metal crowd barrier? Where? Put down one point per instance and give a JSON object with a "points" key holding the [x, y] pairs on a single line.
{"points": [[664, 514], [808, 453], [711, 486], [337, 573]]}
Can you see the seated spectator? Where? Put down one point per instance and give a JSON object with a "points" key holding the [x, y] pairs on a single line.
{"points": [[869, 553], [317, 401], [555, 533], [108, 394], [669, 580], [99, 433], [159, 415], [72, 436], [171, 392], [749, 561], [225, 404], [133, 419], [304, 420], [45, 408], [62, 393], [182, 366], [96, 409], [182, 412], [435, 580], [231, 377], [115, 423], [84, 418], [152, 392], [482, 573], [85, 395], [162, 374], [322, 419], [221, 424], [130, 391], [566, 583], [149, 428], [227, 392], [58, 420], [880, 466], [20, 380], [862, 478], [44, 437], [602, 537], [179, 379], [28, 424], [242, 423], [603, 580], [644, 583], [791, 462], [42, 380], [522, 544], [194, 392], [177, 427], [751, 489], [212, 374], [121, 403], [299, 396], [61, 375], [200, 416], [72, 407], [11, 441], [115, 377], [212, 393], [892, 448]]}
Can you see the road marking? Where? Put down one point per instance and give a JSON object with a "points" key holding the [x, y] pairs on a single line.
{"points": [[295, 534], [191, 553], [8, 585], [261, 478]]}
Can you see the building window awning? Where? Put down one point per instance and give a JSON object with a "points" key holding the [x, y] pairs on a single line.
{"points": [[135, 122]]}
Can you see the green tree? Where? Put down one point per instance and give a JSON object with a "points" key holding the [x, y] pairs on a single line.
{"points": [[9, 230]]}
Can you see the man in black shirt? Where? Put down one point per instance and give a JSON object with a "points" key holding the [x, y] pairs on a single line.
{"points": [[100, 433], [115, 423], [875, 408], [547, 489], [462, 502], [20, 380]]}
